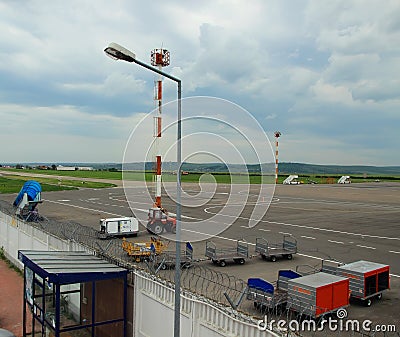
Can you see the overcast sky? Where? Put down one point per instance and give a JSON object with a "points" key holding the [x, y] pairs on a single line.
{"points": [[324, 73]]}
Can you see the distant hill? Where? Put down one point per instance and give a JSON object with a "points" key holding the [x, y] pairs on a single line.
{"points": [[337, 169], [284, 168], [295, 168]]}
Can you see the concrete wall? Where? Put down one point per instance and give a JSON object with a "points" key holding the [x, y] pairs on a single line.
{"points": [[150, 300], [17, 235]]}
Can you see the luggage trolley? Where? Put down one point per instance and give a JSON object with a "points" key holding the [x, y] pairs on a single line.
{"points": [[269, 296], [270, 251], [167, 259], [219, 256]]}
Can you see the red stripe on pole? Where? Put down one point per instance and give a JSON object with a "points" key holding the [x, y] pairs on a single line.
{"points": [[158, 201], [159, 90], [158, 165]]}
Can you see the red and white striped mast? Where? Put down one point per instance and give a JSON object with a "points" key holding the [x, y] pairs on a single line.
{"points": [[277, 135], [159, 59]]}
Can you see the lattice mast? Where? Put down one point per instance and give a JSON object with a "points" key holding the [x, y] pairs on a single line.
{"points": [[159, 58], [277, 134]]}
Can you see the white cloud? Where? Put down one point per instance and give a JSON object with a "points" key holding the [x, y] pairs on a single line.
{"points": [[62, 133], [114, 85], [332, 94]]}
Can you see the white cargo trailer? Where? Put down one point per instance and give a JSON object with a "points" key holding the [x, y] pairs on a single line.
{"points": [[118, 227]]}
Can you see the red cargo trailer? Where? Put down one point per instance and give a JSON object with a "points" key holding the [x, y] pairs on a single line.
{"points": [[318, 294]]}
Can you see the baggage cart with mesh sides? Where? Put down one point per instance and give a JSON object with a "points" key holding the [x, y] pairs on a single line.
{"points": [[219, 256], [167, 259], [267, 296], [271, 250], [318, 294]]}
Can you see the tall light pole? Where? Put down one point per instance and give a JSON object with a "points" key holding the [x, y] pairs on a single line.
{"points": [[117, 52]]}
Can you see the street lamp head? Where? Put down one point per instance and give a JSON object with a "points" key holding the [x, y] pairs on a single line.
{"points": [[117, 52]]}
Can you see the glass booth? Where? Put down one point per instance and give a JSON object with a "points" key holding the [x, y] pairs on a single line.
{"points": [[73, 294]]}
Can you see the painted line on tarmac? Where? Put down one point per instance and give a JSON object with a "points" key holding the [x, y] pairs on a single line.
{"points": [[249, 203], [317, 210], [394, 252], [308, 227], [253, 244], [81, 207], [368, 247], [332, 230], [146, 210], [349, 203], [184, 216], [118, 215], [308, 237], [339, 242], [216, 236]]}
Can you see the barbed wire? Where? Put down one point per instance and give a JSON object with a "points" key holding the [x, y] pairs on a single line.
{"points": [[203, 282]]}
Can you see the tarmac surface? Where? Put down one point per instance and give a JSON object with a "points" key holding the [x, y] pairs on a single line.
{"points": [[345, 223]]}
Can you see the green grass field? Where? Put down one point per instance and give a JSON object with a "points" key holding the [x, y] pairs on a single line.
{"points": [[13, 184], [220, 178], [113, 175]]}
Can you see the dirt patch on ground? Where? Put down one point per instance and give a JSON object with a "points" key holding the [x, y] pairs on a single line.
{"points": [[11, 299]]}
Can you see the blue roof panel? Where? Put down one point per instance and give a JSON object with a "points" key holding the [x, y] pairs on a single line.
{"points": [[69, 267]]}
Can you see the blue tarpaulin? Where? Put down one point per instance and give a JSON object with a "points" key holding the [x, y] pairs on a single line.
{"points": [[32, 188], [260, 284], [290, 274]]}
